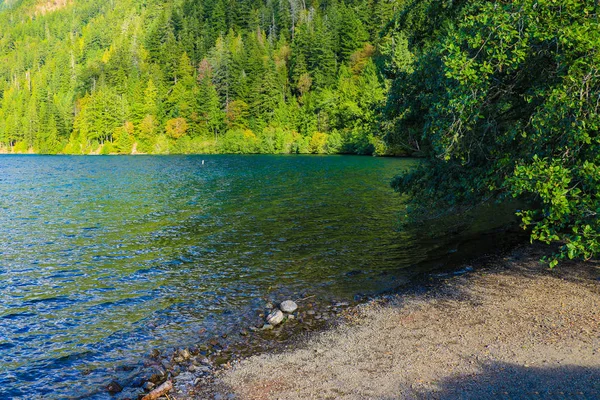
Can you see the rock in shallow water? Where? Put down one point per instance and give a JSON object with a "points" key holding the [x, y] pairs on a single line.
{"points": [[275, 318], [185, 354], [114, 387], [266, 327], [288, 306]]}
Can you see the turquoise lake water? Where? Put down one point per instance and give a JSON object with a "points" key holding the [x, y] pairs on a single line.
{"points": [[104, 258]]}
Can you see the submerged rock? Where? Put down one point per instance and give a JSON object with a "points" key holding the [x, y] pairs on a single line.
{"points": [[205, 361], [288, 306], [114, 387], [185, 354], [266, 327], [275, 318], [159, 375]]}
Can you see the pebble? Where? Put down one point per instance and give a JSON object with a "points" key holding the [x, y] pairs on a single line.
{"points": [[186, 377], [288, 306], [114, 387], [185, 354], [148, 386], [291, 316], [266, 327], [275, 318], [159, 375], [137, 382], [205, 361]]}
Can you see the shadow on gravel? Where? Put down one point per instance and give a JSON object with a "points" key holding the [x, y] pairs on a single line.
{"points": [[510, 381]]}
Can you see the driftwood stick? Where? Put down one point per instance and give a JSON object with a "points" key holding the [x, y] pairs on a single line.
{"points": [[159, 391], [306, 298]]}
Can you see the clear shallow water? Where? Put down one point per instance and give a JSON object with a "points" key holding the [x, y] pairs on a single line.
{"points": [[104, 258]]}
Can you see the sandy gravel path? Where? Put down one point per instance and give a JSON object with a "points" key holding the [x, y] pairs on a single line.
{"points": [[511, 329]]}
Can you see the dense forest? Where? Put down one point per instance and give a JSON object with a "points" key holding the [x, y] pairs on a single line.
{"points": [[187, 76]]}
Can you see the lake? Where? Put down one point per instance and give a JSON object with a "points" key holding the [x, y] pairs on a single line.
{"points": [[104, 258]]}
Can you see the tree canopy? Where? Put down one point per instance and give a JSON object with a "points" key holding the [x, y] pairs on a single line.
{"points": [[503, 99]]}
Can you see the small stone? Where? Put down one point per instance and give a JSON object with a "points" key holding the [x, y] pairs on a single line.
{"points": [[148, 386], [186, 377], [137, 382], [244, 333], [269, 306], [310, 312], [166, 364], [291, 316], [266, 327], [159, 375], [114, 387], [275, 318], [205, 361], [185, 354], [288, 306], [221, 361], [154, 353]]}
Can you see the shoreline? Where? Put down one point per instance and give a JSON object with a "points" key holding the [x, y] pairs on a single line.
{"points": [[286, 367]]}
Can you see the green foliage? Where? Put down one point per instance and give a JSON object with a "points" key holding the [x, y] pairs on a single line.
{"points": [[502, 98], [73, 76]]}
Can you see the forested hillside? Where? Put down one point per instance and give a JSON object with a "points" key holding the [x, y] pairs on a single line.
{"points": [[189, 76]]}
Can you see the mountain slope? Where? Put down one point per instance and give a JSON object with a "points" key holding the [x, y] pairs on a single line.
{"points": [[236, 76]]}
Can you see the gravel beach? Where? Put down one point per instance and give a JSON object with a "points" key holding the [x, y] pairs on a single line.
{"points": [[510, 328]]}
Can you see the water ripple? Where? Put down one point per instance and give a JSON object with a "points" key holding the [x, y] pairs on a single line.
{"points": [[103, 258]]}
